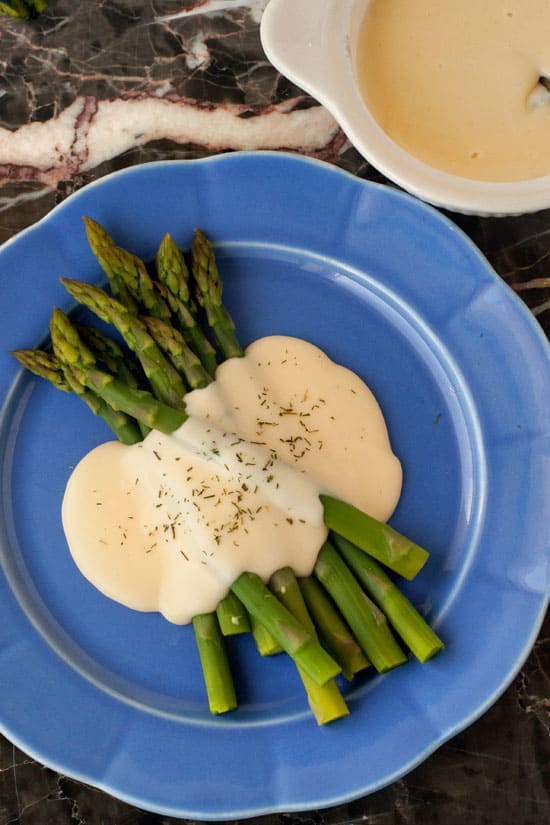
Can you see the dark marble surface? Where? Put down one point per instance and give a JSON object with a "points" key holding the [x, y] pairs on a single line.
{"points": [[206, 57]]}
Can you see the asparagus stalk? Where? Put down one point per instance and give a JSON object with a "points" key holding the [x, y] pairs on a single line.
{"points": [[407, 621], [291, 635], [164, 379], [368, 623], [127, 274], [377, 539], [79, 363], [173, 344], [100, 243], [332, 629], [326, 702], [173, 275], [266, 644], [209, 296], [232, 616], [172, 270], [46, 365], [215, 665], [108, 351]]}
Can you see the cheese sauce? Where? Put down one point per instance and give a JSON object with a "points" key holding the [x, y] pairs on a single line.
{"points": [[456, 84], [168, 524]]}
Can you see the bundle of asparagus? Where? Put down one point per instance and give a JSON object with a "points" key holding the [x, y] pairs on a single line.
{"points": [[342, 618]]}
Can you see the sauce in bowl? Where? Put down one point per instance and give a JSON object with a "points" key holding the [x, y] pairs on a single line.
{"points": [[458, 85]]}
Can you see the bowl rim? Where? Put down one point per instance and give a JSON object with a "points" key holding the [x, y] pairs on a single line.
{"points": [[319, 57]]}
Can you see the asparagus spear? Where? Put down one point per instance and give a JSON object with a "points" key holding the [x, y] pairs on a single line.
{"points": [[266, 644], [173, 276], [173, 344], [332, 628], [46, 365], [291, 635], [127, 274], [232, 616], [215, 665], [413, 629], [326, 702], [101, 243], [164, 379], [209, 295], [109, 353], [368, 623], [377, 539], [79, 363], [172, 270]]}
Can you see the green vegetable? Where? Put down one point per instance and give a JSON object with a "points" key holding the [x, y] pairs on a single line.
{"points": [[215, 665], [166, 383], [377, 539], [173, 275], [48, 366], [368, 623], [332, 629], [326, 702], [232, 616], [266, 644], [290, 634], [173, 344], [407, 621], [127, 274], [209, 296], [79, 364]]}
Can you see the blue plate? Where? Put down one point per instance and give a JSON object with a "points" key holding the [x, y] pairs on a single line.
{"points": [[394, 291]]}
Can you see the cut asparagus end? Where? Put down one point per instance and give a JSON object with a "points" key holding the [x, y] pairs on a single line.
{"points": [[215, 665], [332, 628], [326, 702], [407, 621], [289, 633], [266, 644], [232, 616], [368, 623], [378, 539]]}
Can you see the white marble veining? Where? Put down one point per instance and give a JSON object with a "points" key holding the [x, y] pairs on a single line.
{"points": [[90, 132]]}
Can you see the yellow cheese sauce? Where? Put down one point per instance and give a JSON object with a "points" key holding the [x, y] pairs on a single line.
{"points": [[168, 524], [456, 84]]}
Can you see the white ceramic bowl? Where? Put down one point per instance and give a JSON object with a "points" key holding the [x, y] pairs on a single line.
{"points": [[313, 43]]}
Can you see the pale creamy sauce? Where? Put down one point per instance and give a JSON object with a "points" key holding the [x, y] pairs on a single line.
{"points": [[168, 524], [456, 84]]}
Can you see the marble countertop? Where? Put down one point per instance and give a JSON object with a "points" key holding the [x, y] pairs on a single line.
{"points": [[91, 87]]}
